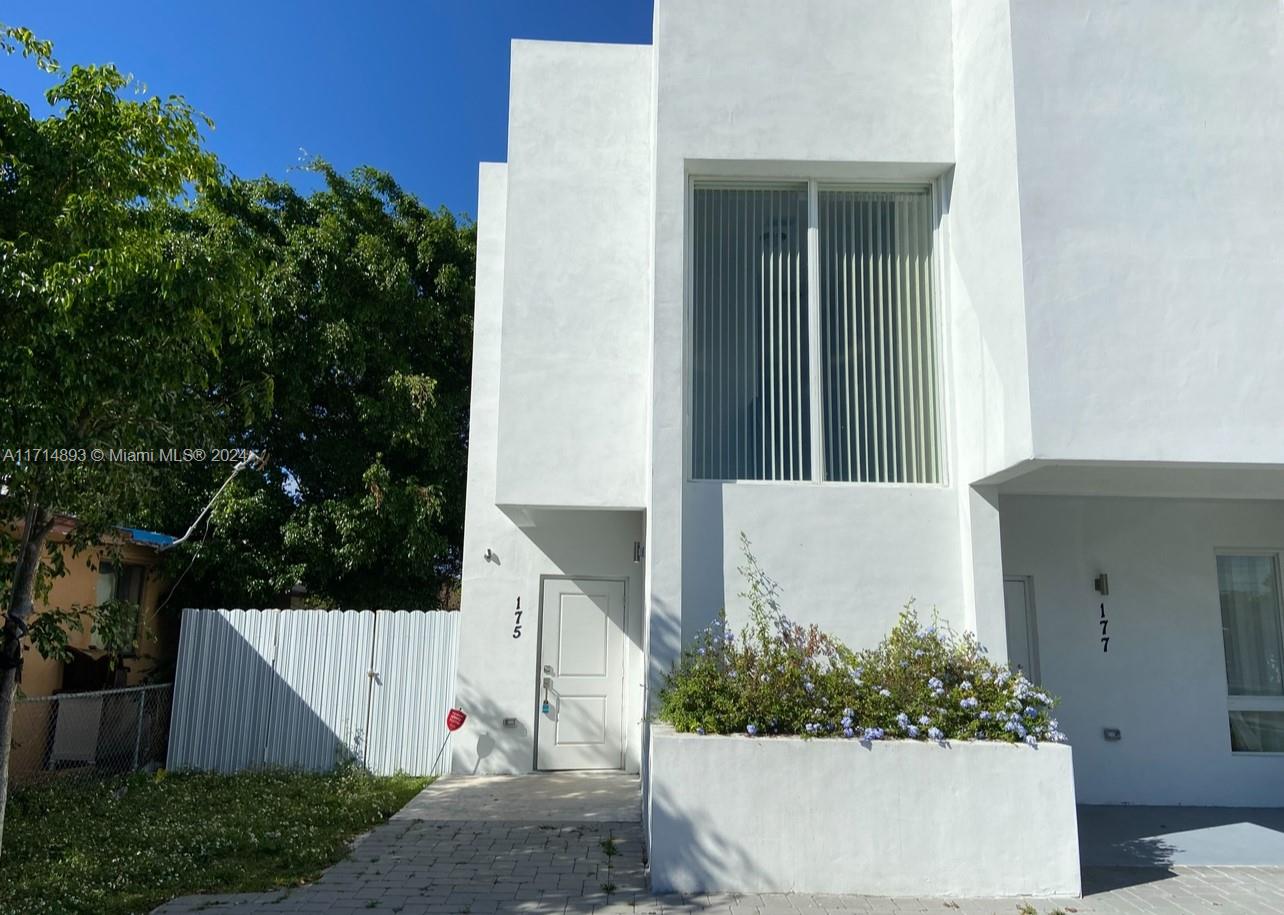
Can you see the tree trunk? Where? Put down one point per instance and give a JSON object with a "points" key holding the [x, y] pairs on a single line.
{"points": [[39, 521]]}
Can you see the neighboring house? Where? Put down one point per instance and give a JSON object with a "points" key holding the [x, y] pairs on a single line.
{"points": [[124, 569], [976, 303]]}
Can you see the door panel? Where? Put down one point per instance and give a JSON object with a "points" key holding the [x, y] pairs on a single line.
{"points": [[1023, 637], [582, 674]]}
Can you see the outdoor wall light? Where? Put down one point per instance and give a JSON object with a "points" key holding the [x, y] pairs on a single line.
{"points": [[1102, 584]]}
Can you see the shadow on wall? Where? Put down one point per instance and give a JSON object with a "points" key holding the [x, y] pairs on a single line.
{"points": [[705, 856], [483, 744], [566, 538]]}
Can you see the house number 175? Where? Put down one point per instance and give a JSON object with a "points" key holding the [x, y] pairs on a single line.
{"points": [[517, 620]]}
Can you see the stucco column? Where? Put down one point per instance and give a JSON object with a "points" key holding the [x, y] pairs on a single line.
{"points": [[982, 564]]}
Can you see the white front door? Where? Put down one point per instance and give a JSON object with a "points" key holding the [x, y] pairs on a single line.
{"points": [[581, 681], [1023, 634]]}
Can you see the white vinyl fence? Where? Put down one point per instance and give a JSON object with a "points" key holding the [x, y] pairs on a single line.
{"points": [[310, 688]]}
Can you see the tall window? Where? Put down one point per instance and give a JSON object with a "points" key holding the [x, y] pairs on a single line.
{"points": [[123, 583], [813, 334], [1253, 639]]}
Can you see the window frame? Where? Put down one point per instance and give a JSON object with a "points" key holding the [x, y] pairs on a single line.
{"points": [[1236, 703], [119, 581], [814, 186]]}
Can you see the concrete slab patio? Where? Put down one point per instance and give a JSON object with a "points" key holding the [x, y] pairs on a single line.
{"points": [[539, 844], [1192, 836]]}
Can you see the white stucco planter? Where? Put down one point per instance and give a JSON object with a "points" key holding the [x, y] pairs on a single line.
{"points": [[896, 818]]}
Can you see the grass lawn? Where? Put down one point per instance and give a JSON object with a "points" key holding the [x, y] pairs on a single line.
{"points": [[131, 843]]}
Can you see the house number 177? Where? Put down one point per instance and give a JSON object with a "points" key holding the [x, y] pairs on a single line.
{"points": [[1105, 639]]}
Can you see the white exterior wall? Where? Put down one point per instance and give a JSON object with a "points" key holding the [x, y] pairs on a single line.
{"points": [[572, 419], [893, 817], [1149, 135], [1107, 294], [989, 375], [1163, 680], [827, 88], [498, 674]]}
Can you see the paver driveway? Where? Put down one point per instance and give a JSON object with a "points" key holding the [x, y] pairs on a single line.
{"points": [[572, 843]]}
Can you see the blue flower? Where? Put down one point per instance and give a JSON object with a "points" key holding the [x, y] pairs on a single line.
{"points": [[918, 652], [848, 732], [985, 715], [885, 693], [966, 686], [969, 702], [985, 676], [872, 734], [808, 685], [751, 730], [700, 730], [912, 731], [902, 721], [934, 683], [848, 713], [846, 722], [924, 720], [1031, 711], [934, 734], [1032, 741], [699, 651]]}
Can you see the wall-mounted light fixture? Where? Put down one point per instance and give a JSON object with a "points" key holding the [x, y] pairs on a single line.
{"points": [[1102, 584], [639, 551]]}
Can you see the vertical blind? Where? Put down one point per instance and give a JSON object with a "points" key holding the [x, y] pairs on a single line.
{"points": [[878, 379], [751, 371], [750, 378]]}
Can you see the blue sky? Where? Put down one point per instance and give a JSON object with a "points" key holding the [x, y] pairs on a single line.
{"points": [[419, 89]]}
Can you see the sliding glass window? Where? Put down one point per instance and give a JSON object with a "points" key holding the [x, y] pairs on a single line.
{"points": [[755, 363], [1253, 639]]}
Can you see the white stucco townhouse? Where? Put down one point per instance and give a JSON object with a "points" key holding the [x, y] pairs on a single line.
{"points": [[976, 303]]}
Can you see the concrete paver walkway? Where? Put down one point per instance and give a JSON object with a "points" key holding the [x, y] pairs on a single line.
{"points": [[572, 843]]}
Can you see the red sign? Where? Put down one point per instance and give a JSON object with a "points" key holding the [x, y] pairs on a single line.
{"points": [[455, 719]]}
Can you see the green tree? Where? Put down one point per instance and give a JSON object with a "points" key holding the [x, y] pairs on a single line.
{"points": [[120, 286], [367, 354]]}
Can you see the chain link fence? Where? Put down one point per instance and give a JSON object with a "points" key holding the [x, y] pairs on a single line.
{"points": [[83, 734]]}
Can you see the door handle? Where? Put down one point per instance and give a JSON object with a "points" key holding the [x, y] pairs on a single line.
{"points": [[548, 669]]}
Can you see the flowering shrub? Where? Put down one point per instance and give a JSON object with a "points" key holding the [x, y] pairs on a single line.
{"points": [[778, 677]]}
